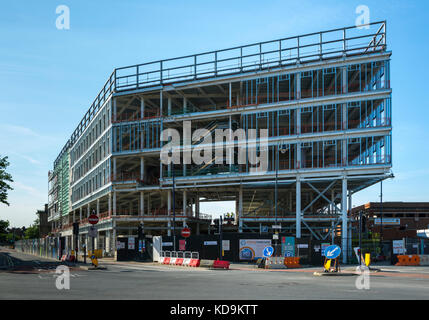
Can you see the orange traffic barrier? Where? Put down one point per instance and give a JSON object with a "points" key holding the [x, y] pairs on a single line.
{"points": [[408, 260], [415, 260], [292, 262]]}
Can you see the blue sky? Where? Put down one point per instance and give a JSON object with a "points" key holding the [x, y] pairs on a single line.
{"points": [[49, 77]]}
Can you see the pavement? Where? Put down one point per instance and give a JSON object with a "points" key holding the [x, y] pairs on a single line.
{"points": [[32, 277]]}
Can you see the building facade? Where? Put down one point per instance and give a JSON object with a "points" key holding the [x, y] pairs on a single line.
{"points": [[44, 225], [393, 220], [323, 99]]}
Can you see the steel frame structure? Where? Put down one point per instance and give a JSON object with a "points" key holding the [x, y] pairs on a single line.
{"points": [[324, 97]]}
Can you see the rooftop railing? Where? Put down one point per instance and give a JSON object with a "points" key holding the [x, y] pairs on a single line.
{"points": [[254, 57]]}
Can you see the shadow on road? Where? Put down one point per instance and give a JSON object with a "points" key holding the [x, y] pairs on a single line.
{"points": [[11, 261]]}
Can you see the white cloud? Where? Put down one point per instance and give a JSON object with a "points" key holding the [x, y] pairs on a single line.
{"points": [[29, 190]]}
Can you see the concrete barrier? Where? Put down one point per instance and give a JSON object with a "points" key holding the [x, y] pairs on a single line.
{"points": [[206, 263]]}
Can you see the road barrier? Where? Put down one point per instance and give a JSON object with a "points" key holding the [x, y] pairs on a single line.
{"points": [[221, 264], [413, 260], [194, 263], [424, 260], [274, 263], [292, 262], [186, 262], [180, 258]]}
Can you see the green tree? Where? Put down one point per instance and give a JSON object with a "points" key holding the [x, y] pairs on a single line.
{"points": [[32, 232], [4, 179], [4, 224]]}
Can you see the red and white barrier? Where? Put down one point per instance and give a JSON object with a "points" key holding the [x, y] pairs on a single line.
{"points": [[194, 263], [186, 262], [179, 258]]}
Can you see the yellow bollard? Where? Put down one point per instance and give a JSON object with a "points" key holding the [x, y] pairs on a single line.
{"points": [[327, 265], [367, 259], [94, 260]]}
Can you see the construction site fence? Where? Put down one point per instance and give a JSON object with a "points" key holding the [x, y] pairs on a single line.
{"points": [[44, 247]]}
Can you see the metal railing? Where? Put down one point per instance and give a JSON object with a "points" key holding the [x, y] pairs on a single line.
{"points": [[180, 254], [253, 57]]}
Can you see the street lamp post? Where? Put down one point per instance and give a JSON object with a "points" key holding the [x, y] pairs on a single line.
{"points": [[276, 196], [360, 237], [93, 238], [381, 216], [220, 239], [174, 213]]}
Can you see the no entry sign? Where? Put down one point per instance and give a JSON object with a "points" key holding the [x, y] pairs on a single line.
{"points": [[93, 219], [186, 232]]}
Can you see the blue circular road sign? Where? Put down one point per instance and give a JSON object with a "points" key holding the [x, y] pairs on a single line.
{"points": [[268, 251], [332, 252]]}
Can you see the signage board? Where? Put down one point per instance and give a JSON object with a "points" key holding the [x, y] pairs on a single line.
{"points": [[268, 251], [93, 219], [388, 221], [424, 233], [167, 244], [288, 246], [398, 246], [332, 252], [182, 244], [92, 232], [186, 232], [323, 246], [251, 249], [225, 245], [131, 243], [142, 246], [210, 243]]}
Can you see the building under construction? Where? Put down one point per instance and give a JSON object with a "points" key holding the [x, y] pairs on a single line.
{"points": [[324, 99]]}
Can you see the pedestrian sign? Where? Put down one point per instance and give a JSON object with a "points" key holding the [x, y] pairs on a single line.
{"points": [[268, 251]]}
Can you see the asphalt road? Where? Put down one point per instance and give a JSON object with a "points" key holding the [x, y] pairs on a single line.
{"points": [[36, 279]]}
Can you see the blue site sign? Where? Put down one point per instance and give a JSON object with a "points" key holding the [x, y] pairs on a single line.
{"points": [[332, 252], [268, 251]]}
